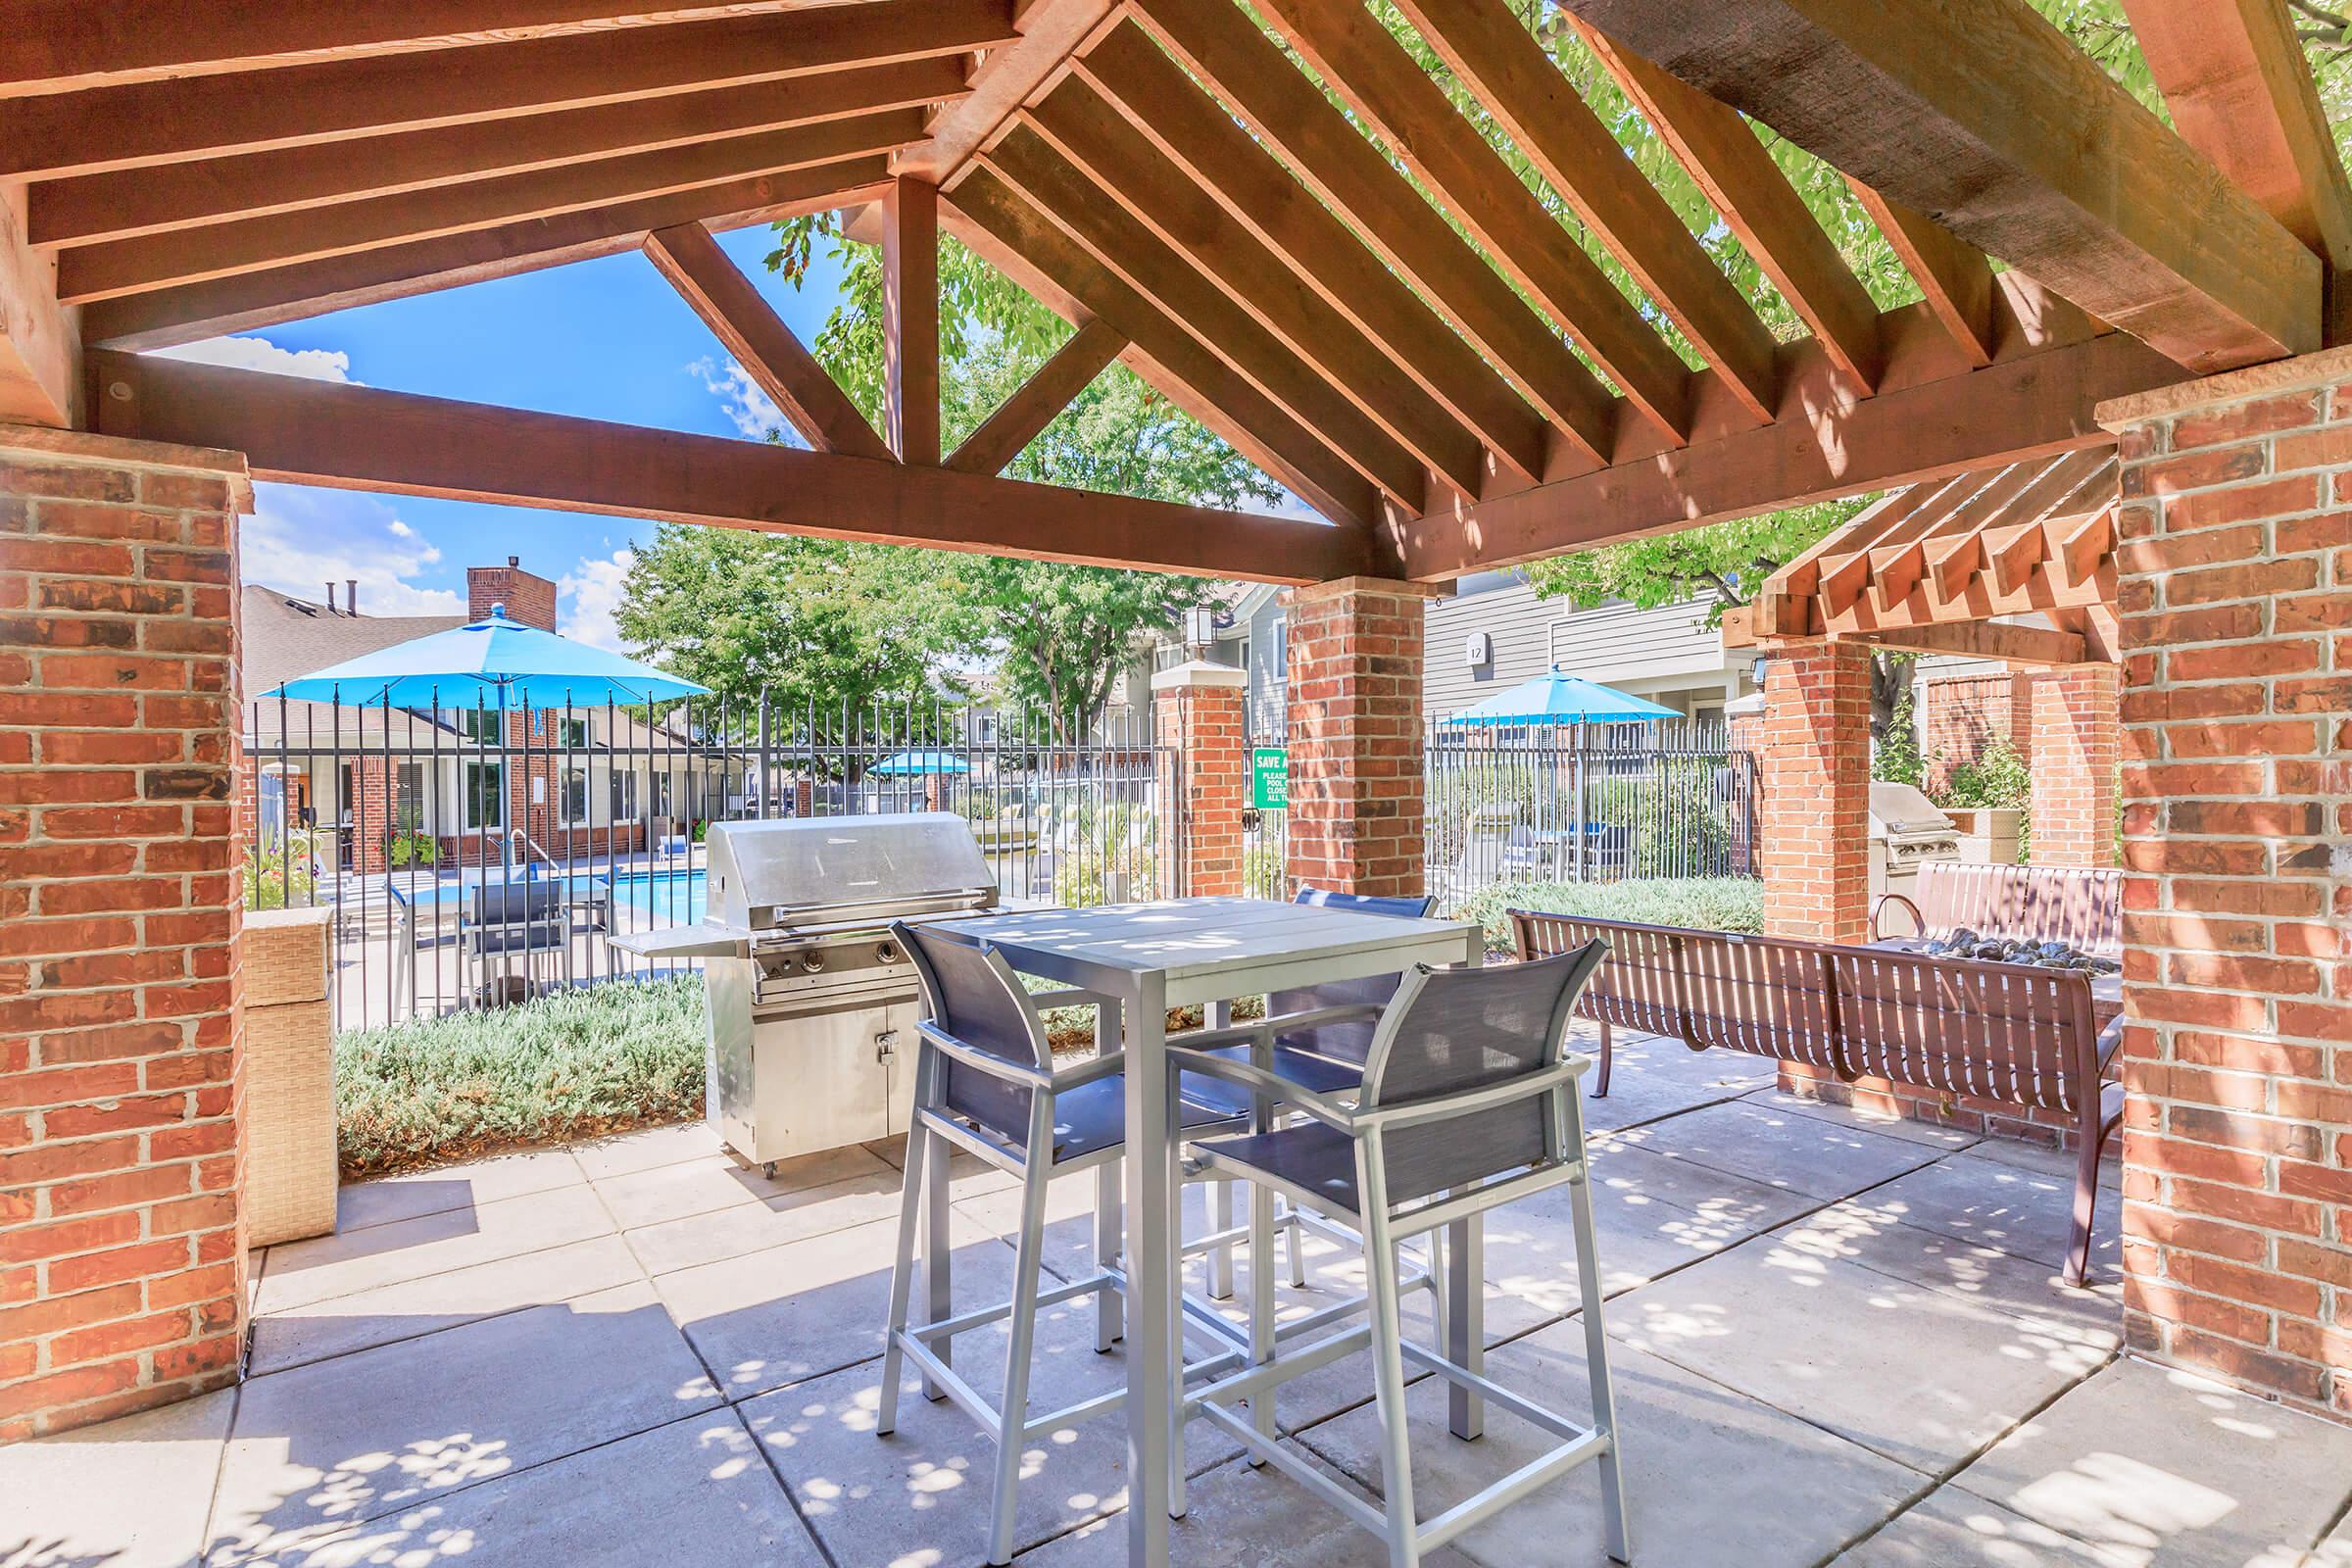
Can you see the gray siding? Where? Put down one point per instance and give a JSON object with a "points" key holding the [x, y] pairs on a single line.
{"points": [[1661, 652]]}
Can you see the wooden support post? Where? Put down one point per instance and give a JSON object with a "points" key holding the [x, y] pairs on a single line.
{"points": [[911, 320]]}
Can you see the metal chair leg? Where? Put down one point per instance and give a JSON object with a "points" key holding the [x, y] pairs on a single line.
{"points": [[1110, 1317], [1261, 1305], [1298, 1244], [1387, 1365], [1597, 1363], [938, 1293], [1014, 1411], [1220, 1256], [902, 1276]]}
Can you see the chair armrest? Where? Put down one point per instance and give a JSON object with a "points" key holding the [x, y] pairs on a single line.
{"points": [[1081, 1073], [1282, 1090], [1879, 909], [1316, 1017], [1444, 1107], [1012, 1072], [1232, 1035]]}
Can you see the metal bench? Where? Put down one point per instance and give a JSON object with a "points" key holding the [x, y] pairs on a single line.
{"points": [[2079, 906], [2008, 1033]]}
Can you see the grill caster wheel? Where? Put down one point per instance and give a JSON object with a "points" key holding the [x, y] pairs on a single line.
{"points": [[769, 1170]]}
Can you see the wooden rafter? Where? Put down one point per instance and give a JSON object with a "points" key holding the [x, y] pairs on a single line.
{"points": [[1092, 134], [776, 360], [203, 117], [1499, 60], [1094, 218], [1223, 48], [910, 319], [1051, 32], [1023, 240], [1982, 116], [2233, 74], [351, 437], [2006, 641], [1723, 156], [1017, 421], [125, 203], [255, 244], [250, 300], [1195, 133], [1355, 53], [1954, 278]]}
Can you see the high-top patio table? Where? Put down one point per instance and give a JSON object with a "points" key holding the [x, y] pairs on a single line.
{"points": [[1149, 958]]}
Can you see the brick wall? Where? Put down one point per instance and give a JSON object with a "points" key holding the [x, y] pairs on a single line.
{"points": [[2236, 590], [1200, 714], [1355, 819], [1959, 715], [122, 1255], [2075, 737], [1813, 765], [529, 598]]}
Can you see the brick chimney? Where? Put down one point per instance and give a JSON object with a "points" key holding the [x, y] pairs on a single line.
{"points": [[529, 599]]}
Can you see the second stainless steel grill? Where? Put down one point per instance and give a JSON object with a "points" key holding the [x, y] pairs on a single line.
{"points": [[809, 997]]}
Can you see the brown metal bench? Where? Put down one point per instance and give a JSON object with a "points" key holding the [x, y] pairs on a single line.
{"points": [[2003, 1032], [2078, 905]]}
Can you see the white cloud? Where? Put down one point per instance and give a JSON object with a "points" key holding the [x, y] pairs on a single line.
{"points": [[259, 354], [587, 596], [298, 541], [747, 405]]}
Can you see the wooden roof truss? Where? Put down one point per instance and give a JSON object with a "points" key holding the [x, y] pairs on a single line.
{"points": [[1340, 274]]}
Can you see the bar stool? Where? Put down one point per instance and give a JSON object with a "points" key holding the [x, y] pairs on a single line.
{"points": [[985, 1082], [1468, 1101]]}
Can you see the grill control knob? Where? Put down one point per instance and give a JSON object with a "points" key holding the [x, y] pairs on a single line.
{"points": [[886, 952], [813, 962]]}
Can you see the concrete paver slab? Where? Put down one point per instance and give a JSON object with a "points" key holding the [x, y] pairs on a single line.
{"points": [[693, 1492], [127, 1494], [1713, 1479], [1654, 1077], [1803, 1154], [1992, 1203], [385, 1199], [710, 1182], [1949, 1139], [2173, 1471], [646, 1149], [344, 1442], [740, 1228], [1953, 1528], [1865, 1230], [301, 1273]]}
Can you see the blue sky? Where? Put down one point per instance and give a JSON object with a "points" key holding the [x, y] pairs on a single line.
{"points": [[605, 339]]}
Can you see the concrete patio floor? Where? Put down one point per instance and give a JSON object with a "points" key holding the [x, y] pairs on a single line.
{"points": [[1837, 1340]]}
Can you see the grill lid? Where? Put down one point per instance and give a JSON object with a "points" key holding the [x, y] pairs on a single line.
{"points": [[830, 869], [1899, 812]]}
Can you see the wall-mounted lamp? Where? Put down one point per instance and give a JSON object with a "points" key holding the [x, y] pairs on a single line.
{"points": [[1200, 626]]}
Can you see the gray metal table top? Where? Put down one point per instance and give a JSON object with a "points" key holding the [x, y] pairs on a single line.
{"points": [[1170, 953]]}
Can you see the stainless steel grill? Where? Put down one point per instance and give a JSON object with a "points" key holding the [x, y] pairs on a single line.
{"points": [[1906, 831], [809, 998]]}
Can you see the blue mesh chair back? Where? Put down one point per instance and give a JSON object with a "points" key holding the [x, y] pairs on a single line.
{"points": [[970, 992], [1347, 1042]]}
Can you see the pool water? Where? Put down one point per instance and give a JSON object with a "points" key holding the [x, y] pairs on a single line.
{"points": [[675, 896]]}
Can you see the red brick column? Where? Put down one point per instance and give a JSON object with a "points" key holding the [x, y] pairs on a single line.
{"points": [[1197, 712], [2075, 733], [372, 814], [121, 1242], [1357, 769], [1962, 713], [2236, 590], [1814, 769]]}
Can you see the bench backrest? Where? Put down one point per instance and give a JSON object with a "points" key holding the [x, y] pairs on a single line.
{"points": [[2013, 1033], [2079, 906]]}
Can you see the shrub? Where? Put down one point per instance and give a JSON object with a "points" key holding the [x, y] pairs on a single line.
{"points": [[569, 1065], [1711, 903]]}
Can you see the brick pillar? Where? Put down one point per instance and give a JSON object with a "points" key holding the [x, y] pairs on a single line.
{"points": [[1814, 769], [2076, 730], [370, 815], [122, 1240], [2236, 591], [1199, 713], [529, 598], [1357, 769]]}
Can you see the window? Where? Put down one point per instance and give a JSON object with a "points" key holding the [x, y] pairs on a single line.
{"points": [[408, 797], [485, 794], [575, 802], [623, 795], [1278, 668], [562, 732], [480, 725]]}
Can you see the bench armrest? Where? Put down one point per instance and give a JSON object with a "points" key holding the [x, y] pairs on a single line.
{"points": [[2110, 1041], [1280, 1089], [1877, 912]]}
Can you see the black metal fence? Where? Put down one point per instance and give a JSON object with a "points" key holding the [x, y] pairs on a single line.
{"points": [[1265, 828], [1586, 803], [470, 856]]}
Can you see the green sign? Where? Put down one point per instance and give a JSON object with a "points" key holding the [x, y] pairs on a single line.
{"points": [[1270, 779]]}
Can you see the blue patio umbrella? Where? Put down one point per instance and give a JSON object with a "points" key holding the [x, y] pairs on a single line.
{"points": [[494, 662], [909, 764], [1555, 698]]}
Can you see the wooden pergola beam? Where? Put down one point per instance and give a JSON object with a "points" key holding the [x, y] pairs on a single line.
{"points": [[205, 116], [250, 300], [351, 437], [40, 340], [1518, 83], [1389, 91], [125, 203], [1223, 48], [1095, 218], [2241, 91], [1092, 134], [1037, 402], [1005, 222], [1755, 200], [2005, 641], [911, 320], [1051, 32], [755, 336], [256, 244], [2036, 405], [1194, 131], [1954, 278], [1982, 116]]}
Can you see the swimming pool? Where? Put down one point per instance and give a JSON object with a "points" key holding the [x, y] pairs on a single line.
{"points": [[675, 894]]}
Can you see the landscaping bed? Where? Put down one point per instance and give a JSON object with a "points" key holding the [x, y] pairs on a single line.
{"points": [[1710, 903]]}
